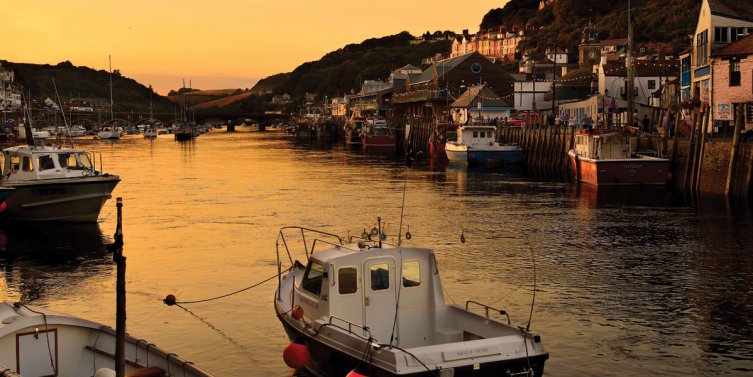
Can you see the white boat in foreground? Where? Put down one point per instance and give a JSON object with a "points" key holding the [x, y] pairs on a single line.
{"points": [[380, 311], [40, 342]]}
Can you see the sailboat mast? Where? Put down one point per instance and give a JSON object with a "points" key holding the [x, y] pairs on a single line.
{"points": [[629, 66], [112, 112]]}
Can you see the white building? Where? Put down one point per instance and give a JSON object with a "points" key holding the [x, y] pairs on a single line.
{"points": [[649, 77], [526, 92], [479, 102], [10, 94]]}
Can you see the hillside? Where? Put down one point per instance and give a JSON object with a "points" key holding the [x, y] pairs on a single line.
{"points": [[342, 71], [665, 21], [84, 82]]}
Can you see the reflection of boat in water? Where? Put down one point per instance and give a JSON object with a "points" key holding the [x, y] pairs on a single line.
{"points": [[53, 184], [604, 157], [40, 342], [476, 145], [381, 309]]}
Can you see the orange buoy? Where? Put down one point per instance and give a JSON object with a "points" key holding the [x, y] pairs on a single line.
{"points": [[296, 354], [297, 313]]}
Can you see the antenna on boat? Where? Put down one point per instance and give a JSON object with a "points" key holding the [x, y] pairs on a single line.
{"points": [[408, 163]]}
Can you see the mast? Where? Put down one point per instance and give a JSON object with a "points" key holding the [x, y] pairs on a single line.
{"points": [[629, 66], [112, 112]]}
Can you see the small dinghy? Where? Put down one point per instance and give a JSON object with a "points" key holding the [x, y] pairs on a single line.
{"points": [[370, 309]]}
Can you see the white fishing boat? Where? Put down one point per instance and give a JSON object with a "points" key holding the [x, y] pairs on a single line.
{"points": [[109, 133], [53, 184], [150, 133], [40, 342], [476, 145], [379, 310], [77, 130]]}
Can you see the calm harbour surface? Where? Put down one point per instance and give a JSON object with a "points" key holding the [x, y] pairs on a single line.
{"points": [[629, 282]]}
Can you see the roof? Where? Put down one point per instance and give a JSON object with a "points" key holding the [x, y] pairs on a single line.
{"points": [[408, 67], [743, 46], [441, 67], [479, 92], [643, 68], [733, 8], [577, 78]]}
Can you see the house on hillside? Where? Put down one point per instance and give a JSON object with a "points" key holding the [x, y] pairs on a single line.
{"points": [[479, 102], [720, 23], [430, 93], [732, 73], [10, 91]]}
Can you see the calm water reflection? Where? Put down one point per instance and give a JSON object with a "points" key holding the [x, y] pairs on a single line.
{"points": [[630, 281]]}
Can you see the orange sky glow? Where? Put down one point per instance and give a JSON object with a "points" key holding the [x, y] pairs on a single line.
{"points": [[215, 44]]}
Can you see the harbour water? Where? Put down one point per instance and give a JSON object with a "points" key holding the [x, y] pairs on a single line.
{"points": [[629, 282]]}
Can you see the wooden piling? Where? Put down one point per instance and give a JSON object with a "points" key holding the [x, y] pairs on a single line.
{"points": [[734, 149], [691, 151]]}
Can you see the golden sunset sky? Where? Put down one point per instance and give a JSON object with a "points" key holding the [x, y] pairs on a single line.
{"points": [[214, 43]]}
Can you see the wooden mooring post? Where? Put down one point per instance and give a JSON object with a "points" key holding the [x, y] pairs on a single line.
{"points": [[734, 150]]}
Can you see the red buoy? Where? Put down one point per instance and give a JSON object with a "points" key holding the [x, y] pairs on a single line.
{"points": [[3, 206], [297, 313], [169, 300], [296, 354], [357, 372]]}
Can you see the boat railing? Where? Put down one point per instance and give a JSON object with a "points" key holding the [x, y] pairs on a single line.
{"points": [[350, 327], [487, 308], [318, 237]]}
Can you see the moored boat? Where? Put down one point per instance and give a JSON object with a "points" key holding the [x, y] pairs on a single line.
{"points": [[604, 158], [368, 306], [376, 134], [476, 145], [443, 132], [39, 342], [353, 130], [109, 133], [53, 184]]}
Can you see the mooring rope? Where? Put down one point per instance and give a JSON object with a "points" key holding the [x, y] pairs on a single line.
{"points": [[170, 300]]}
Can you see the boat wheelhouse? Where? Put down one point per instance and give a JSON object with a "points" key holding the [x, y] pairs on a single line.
{"points": [[376, 134], [476, 144], [381, 308], [604, 158]]}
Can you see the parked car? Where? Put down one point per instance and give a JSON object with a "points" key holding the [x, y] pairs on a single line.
{"points": [[525, 119]]}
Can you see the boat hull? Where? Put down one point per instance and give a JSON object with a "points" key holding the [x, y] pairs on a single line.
{"points": [[476, 156], [620, 172], [67, 199], [326, 360]]}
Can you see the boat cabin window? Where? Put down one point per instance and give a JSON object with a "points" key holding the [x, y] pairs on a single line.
{"points": [[84, 161], [312, 280], [347, 280], [380, 276], [45, 163], [67, 160], [475, 133], [26, 164], [15, 163], [411, 273]]}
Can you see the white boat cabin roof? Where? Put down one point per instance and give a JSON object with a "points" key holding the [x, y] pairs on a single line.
{"points": [[27, 162], [473, 135]]}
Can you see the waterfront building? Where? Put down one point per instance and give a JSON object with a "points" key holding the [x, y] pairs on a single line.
{"points": [[732, 74], [374, 98], [430, 93], [479, 102], [650, 76], [720, 23]]}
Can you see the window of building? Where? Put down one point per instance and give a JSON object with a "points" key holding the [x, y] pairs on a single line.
{"points": [[652, 84], [734, 73], [736, 33], [701, 46], [26, 164], [347, 280], [312, 280], [380, 276], [475, 134], [411, 273], [721, 34]]}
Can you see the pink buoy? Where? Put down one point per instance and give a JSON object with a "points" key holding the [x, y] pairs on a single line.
{"points": [[296, 354]]}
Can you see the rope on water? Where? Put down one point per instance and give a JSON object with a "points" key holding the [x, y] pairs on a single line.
{"points": [[171, 300]]}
